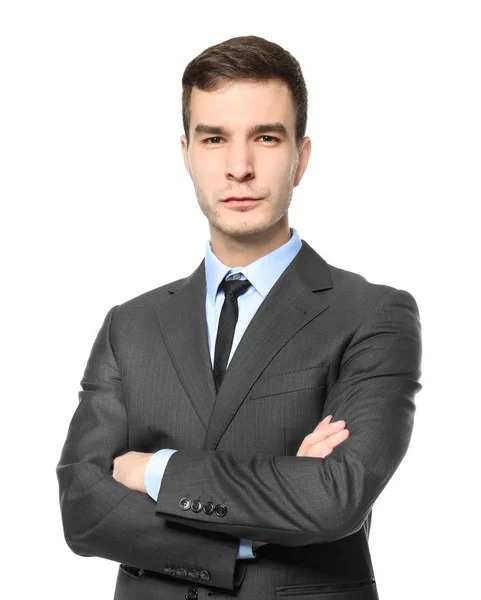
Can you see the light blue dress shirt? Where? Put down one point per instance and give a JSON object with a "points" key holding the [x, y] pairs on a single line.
{"points": [[262, 274]]}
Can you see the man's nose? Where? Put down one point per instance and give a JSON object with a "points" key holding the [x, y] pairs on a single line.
{"points": [[239, 162]]}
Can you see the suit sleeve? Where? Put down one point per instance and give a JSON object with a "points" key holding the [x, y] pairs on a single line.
{"points": [[297, 501], [153, 480], [102, 517]]}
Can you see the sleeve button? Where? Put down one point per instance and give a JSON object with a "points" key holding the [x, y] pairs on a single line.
{"points": [[185, 503], [193, 574], [208, 508], [221, 510]]}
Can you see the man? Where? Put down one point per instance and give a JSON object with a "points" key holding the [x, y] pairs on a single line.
{"points": [[236, 426]]}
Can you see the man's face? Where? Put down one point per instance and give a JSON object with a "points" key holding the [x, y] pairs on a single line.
{"points": [[234, 161]]}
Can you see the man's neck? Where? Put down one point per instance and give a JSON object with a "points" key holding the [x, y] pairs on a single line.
{"points": [[244, 250]]}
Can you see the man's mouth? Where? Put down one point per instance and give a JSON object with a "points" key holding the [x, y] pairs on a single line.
{"points": [[241, 201]]}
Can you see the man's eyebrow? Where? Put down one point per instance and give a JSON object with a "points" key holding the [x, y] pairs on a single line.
{"points": [[278, 127]]}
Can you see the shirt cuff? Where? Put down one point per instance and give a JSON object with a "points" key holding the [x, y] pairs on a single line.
{"points": [[154, 471], [245, 549]]}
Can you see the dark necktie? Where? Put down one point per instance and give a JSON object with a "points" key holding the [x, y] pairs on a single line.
{"points": [[233, 288]]}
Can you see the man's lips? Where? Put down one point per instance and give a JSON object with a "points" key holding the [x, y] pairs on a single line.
{"points": [[244, 199], [241, 202]]}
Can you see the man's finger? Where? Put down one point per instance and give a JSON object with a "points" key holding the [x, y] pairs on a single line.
{"points": [[325, 430], [324, 424], [327, 446]]}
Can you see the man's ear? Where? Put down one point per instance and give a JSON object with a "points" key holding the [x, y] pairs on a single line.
{"points": [[185, 153], [304, 154]]}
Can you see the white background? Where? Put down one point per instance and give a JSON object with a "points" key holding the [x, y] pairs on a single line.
{"points": [[97, 208]]}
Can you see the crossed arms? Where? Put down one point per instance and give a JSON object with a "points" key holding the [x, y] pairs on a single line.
{"points": [[290, 500]]}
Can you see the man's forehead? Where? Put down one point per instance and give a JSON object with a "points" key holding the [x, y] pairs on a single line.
{"points": [[226, 111], [272, 97]]}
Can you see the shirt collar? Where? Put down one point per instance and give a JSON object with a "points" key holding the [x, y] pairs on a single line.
{"points": [[262, 273]]}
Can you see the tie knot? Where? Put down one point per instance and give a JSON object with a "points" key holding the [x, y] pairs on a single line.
{"points": [[234, 287]]}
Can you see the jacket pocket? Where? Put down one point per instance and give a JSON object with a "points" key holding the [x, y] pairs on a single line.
{"points": [[365, 590], [134, 572], [290, 381]]}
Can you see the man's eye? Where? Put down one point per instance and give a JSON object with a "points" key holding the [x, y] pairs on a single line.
{"points": [[207, 140], [212, 138]]}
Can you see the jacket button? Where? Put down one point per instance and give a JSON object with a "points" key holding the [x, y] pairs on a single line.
{"points": [[191, 594], [196, 506], [205, 575], [221, 510], [185, 503], [193, 574], [208, 508], [180, 573]]}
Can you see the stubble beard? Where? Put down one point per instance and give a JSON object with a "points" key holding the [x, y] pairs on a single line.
{"points": [[245, 222]]}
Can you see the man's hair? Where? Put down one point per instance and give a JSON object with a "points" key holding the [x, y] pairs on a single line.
{"points": [[248, 58]]}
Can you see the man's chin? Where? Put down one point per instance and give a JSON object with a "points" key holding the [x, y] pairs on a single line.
{"points": [[241, 230]]}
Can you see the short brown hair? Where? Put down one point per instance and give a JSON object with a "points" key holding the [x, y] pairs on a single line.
{"points": [[245, 58]]}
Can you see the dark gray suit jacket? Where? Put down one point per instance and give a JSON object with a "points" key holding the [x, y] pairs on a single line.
{"points": [[324, 341]]}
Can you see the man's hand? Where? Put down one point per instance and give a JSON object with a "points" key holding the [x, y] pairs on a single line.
{"points": [[325, 437], [129, 469], [321, 442]]}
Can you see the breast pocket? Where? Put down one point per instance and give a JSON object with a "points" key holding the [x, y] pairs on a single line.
{"points": [[281, 408], [290, 381]]}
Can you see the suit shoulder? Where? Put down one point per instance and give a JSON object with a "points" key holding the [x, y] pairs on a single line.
{"points": [[351, 282], [149, 298], [355, 288]]}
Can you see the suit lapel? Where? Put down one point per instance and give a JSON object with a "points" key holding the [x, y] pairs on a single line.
{"points": [[288, 307], [182, 322]]}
